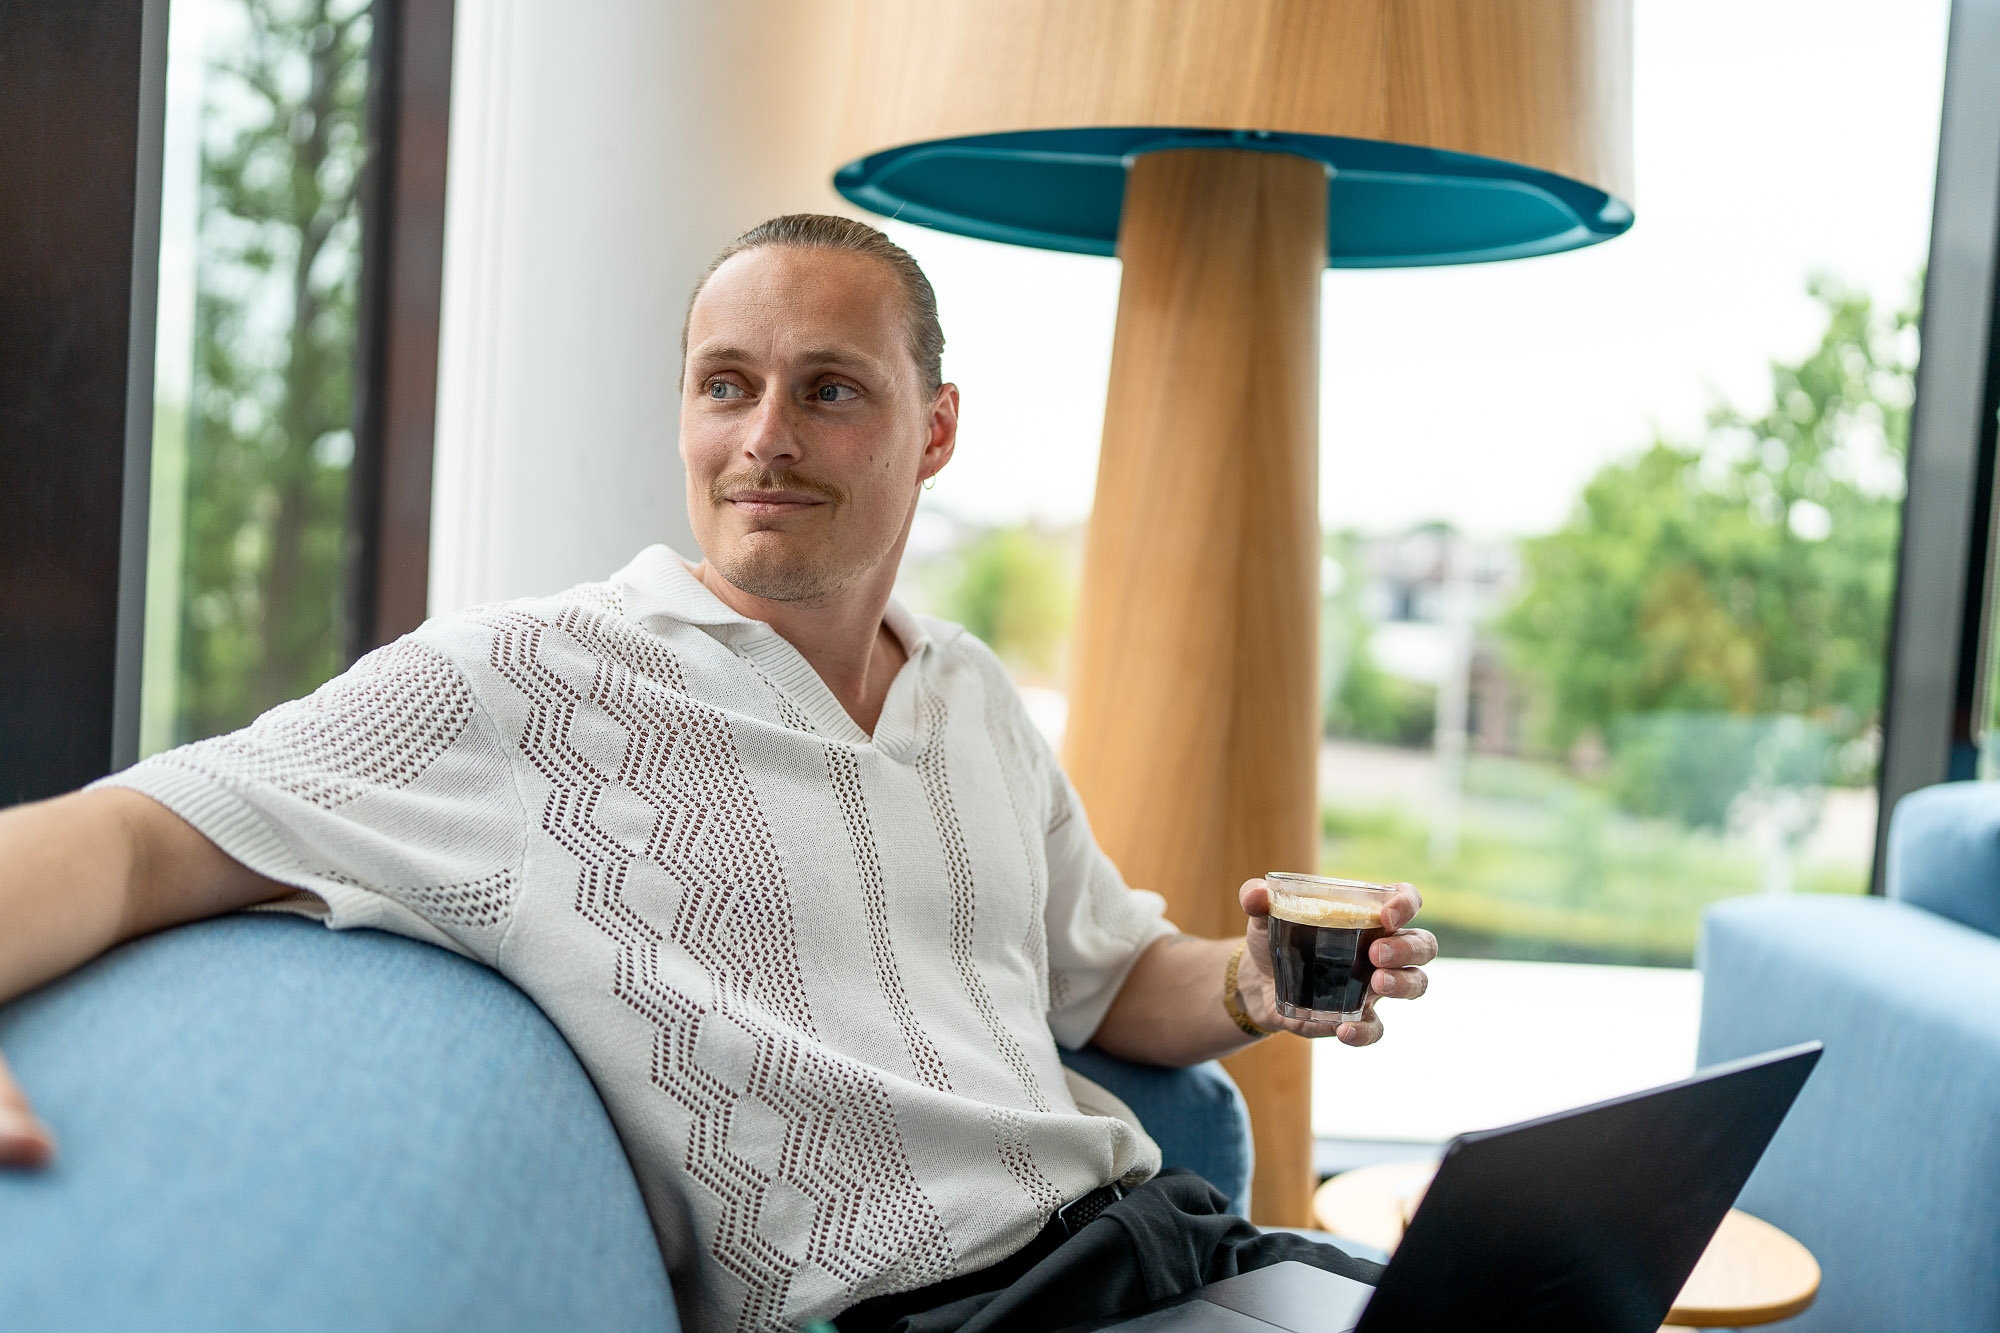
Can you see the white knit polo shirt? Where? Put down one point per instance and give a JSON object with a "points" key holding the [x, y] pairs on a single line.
{"points": [[819, 978]]}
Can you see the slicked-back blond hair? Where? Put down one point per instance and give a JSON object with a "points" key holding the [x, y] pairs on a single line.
{"points": [[826, 231]]}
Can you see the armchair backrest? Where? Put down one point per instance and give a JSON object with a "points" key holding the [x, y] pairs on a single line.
{"points": [[1944, 852]]}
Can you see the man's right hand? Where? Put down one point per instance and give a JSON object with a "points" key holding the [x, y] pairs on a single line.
{"points": [[24, 1140], [82, 873]]}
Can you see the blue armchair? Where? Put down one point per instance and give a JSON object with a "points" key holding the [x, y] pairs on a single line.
{"points": [[265, 1125], [1888, 1167]]}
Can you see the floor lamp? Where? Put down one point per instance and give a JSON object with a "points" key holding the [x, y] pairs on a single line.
{"points": [[1227, 151]]}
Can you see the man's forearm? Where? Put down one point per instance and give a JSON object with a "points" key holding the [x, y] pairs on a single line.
{"points": [[1169, 1011], [80, 874], [65, 866], [84, 872]]}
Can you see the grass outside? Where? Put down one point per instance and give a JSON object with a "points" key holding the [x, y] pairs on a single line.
{"points": [[1549, 869]]}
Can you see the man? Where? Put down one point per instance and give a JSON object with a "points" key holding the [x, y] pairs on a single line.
{"points": [[787, 865]]}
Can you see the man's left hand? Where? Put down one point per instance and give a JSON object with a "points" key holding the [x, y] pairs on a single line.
{"points": [[1399, 958]]}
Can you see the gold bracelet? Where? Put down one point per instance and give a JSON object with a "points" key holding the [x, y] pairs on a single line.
{"points": [[1232, 998]]}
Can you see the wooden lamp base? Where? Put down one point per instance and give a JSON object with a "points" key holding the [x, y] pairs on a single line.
{"points": [[1194, 709]]}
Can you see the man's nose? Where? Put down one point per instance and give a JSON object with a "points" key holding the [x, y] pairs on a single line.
{"points": [[772, 439]]}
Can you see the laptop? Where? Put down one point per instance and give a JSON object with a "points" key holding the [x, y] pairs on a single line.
{"points": [[1590, 1220]]}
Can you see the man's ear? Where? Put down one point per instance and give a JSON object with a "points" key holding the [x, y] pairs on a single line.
{"points": [[943, 441]]}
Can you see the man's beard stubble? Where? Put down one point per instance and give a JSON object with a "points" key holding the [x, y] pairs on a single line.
{"points": [[772, 572]]}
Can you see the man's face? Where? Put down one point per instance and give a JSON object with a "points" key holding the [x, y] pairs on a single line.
{"points": [[804, 425]]}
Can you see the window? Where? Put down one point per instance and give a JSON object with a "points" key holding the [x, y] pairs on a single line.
{"points": [[254, 435]]}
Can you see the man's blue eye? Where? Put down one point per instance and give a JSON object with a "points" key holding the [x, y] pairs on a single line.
{"points": [[719, 388], [831, 393]]}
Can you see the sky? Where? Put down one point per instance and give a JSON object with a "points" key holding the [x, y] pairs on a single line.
{"points": [[1773, 139]]}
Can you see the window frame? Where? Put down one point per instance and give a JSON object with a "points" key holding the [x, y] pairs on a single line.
{"points": [[402, 281], [1941, 624]]}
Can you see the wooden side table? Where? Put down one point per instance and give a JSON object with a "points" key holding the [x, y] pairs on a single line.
{"points": [[1751, 1273]]}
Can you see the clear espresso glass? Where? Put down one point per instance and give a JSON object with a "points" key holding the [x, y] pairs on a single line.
{"points": [[1320, 933]]}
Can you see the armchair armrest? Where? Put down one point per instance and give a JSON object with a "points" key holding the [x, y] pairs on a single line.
{"points": [[1196, 1115], [1888, 1167], [263, 1124]]}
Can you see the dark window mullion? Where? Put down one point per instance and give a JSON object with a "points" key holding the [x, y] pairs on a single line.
{"points": [[388, 559], [1934, 655]]}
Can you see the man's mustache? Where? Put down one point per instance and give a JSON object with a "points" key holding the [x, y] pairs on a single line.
{"points": [[725, 488]]}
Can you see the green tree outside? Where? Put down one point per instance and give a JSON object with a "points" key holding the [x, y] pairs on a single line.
{"points": [[1711, 622], [269, 429], [1703, 591]]}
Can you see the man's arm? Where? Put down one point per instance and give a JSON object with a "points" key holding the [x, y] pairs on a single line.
{"points": [[1169, 1011], [85, 872]]}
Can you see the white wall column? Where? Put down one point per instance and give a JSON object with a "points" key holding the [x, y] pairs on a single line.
{"points": [[600, 154]]}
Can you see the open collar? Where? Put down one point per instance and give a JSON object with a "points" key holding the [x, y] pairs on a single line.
{"points": [[659, 584]]}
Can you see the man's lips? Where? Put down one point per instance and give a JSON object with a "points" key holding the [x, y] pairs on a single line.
{"points": [[773, 502]]}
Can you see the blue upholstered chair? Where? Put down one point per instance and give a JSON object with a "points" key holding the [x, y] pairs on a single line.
{"points": [[1888, 1167], [266, 1125]]}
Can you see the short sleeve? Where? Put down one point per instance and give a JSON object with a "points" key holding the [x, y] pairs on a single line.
{"points": [[386, 793], [1097, 927]]}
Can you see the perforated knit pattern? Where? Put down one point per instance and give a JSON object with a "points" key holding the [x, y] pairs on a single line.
{"points": [[1027, 800], [604, 598], [1010, 1137], [844, 771], [818, 979], [378, 725], [872, 1227], [964, 905], [480, 904]]}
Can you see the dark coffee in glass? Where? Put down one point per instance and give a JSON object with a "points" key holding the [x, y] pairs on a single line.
{"points": [[1320, 933]]}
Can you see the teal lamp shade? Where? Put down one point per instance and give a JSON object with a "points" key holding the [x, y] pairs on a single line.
{"points": [[1388, 204], [1451, 131]]}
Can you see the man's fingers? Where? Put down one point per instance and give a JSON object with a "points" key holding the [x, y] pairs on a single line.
{"points": [[1361, 1032], [1405, 948], [1400, 983], [1255, 896], [24, 1140], [1402, 907]]}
